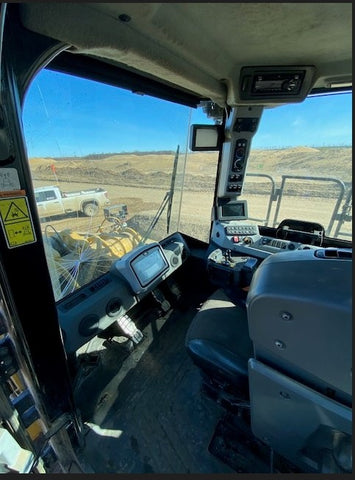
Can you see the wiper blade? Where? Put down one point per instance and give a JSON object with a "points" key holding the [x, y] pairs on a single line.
{"points": [[156, 217], [172, 189], [167, 201]]}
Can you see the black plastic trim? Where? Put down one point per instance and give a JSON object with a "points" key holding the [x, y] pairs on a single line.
{"points": [[328, 91], [88, 67]]}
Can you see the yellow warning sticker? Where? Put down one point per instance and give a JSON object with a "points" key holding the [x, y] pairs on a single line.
{"points": [[16, 221]]}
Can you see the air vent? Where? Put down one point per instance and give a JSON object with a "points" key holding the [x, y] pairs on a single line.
{"points": [[174, 261], [89, 325], [334, 253], [73, 302], [100, 283], [113, 307]]}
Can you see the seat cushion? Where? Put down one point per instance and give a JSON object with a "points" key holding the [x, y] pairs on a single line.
{"points": [[218, 340]]}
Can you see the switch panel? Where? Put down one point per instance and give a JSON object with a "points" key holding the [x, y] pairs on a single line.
{"points": [[242, 126]]}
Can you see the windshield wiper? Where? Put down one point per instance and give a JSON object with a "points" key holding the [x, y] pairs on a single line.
{"points": [[167, 201], [172, 189]]}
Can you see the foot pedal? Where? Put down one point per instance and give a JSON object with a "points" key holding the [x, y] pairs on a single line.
{"points": [[128, 327], [160, 298], [174, 288]]}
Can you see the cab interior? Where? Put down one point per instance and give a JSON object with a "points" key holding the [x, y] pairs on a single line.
{"points": [[216, 349]]}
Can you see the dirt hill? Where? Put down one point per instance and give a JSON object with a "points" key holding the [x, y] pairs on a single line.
{"points": [[155, 168]]}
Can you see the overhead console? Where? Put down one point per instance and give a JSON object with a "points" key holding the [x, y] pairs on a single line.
{"points": [[276, 84]]}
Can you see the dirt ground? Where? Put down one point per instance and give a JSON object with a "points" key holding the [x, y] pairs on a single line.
{"points": [[195, 213]]}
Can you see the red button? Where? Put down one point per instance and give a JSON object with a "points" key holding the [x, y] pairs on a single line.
{"points": [[235, 239]]}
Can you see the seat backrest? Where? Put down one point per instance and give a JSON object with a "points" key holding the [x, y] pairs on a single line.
{"points": [[309, 429], [300, 321]]}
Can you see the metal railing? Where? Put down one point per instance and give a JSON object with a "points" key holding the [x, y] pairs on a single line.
{"points": [[317, 179], [340, 214], [344, 216], [271, 197]]}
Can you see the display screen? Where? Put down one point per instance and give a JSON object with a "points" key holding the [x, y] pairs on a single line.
{"points": [[149, 265], [282, 83], [268, 85], [236, 210]]}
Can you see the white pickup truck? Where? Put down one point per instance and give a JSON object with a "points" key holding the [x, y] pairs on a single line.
{"points": [[52, 201]]}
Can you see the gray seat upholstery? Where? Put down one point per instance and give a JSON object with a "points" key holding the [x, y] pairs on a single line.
{"points": [[300, 381], [218, 340], [300, 319]]}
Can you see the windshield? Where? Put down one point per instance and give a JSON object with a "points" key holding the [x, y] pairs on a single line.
{"points": [[112, 170], [108, 167]]}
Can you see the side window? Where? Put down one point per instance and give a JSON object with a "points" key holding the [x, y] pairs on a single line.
{"points": [[300, 165], [120, 160]]}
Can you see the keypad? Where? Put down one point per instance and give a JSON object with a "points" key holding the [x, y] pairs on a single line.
{"points": [[241, 230]]}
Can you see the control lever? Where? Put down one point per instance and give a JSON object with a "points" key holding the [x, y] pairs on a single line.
{"points": [[248, 271], [228, 256]]}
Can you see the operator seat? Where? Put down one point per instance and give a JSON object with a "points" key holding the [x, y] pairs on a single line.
{"points": [[300, 379], [219, 344]]}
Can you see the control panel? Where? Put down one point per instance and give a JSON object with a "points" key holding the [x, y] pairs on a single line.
{"points": [[241, 229], [245, 239], [228, 271], [236, 174], [241, 128]]}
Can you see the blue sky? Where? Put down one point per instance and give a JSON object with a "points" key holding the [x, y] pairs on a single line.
{"points": [[319, 121], [67, 116]]}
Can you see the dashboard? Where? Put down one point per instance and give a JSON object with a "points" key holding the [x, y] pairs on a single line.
{"points": [[237, 249], [244, 238], [93, 308]]}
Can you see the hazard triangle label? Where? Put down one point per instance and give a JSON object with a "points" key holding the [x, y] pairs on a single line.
{"points": [[16, 221], [15, 213]]}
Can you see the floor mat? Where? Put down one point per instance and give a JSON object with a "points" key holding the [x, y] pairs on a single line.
{"points": [[234, 444], [158, 421]]}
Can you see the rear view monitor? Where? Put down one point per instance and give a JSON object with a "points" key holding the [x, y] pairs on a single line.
{"points": [[149, 265], [235, 210]]}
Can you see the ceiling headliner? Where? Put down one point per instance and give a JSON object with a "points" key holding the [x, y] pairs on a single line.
{"points": [[201, 47]]}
